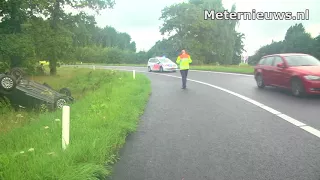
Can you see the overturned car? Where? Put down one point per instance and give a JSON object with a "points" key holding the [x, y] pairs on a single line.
{"points": [[28, 94]]}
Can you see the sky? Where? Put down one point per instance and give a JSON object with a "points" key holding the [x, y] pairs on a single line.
{"points": [[140, 19]]}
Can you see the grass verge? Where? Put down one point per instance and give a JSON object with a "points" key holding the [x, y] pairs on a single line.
{"points": [[100, 122], [77, 80], [230, 69], [242, 69]]}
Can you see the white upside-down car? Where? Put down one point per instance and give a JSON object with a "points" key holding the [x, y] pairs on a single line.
{"points": [[161, 64]]}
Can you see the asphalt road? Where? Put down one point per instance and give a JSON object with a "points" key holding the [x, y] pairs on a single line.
{"points": [[203, 133]]}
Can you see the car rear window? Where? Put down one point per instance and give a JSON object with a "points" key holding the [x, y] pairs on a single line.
{"points": [[302, 60]]}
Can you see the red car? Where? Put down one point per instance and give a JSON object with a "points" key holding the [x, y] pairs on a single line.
{"points": [[297, 72]]}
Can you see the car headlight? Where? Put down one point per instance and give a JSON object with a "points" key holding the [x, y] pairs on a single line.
{"points": [[311, 77]]}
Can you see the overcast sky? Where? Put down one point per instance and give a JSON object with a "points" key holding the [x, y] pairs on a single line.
{"points": [[140, 19]]}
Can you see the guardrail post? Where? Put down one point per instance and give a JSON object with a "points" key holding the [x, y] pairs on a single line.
{"points": [[65, 126]]}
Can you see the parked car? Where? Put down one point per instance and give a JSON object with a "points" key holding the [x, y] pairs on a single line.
{"points": [[297, 72], [161, 64], [25, 93]]}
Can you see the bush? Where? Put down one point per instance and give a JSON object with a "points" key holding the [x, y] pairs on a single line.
{"points": [[110, 55], [115, 56]]}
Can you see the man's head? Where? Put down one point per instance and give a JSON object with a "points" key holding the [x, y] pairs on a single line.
{"points": [[183, 51]]}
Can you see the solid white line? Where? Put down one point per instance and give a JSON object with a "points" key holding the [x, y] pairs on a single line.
{"points": [[269, 109], [311, 130], [291, 120], [285, 117]]}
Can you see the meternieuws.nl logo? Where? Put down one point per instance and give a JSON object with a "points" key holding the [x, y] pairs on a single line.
{"points": [[254, 15]]}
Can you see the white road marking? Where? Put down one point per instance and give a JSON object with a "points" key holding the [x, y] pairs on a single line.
{"points": [[285, 117], [311, 130], [291, 120], [269, 109]]}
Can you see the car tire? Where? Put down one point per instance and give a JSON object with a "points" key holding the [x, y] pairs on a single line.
{"points": [[7, 82], [260, 82], [60, 102], [18, 73], [149, 69], [297, 88], [65, 91]]}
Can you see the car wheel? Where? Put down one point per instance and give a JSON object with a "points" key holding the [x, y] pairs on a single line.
{"points": [[17, 73], [297, 88], [8, 82], [149, 69], [259, 81], [161, 69], [65, 91], [60, 102]]}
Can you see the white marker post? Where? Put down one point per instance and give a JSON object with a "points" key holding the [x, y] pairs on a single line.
{"points": [[94, 67], [134, 74], [65, 126]]}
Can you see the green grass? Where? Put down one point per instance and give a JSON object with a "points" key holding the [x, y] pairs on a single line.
{"points": [[242, 69], [73, 78], [136, 65], [109, 108]]}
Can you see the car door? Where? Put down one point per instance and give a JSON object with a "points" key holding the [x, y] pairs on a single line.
{"points": [[153, 60], [267, 70], [156, 66], [280, 75]]}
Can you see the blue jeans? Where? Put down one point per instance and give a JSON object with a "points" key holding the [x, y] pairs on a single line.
{"points": [[184, 75]]}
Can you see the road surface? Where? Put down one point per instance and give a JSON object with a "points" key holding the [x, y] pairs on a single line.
{"points": [[204, 133]]}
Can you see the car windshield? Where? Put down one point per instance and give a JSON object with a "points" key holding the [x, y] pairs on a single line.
{"points": [[165, 60], [302, 60]]}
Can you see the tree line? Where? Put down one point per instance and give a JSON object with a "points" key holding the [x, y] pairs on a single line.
{"points": [[296, 40], [34, 30], [208, 41]]}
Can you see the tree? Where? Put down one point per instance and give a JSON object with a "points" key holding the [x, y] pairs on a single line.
{"points": [[165, 47], [107, 37], [209, 41], [316, 47], [238, 48], [14, 43], [33, 30], [57, 15], [296, 40]]}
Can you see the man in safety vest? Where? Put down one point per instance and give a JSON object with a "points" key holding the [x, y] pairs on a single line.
{"points": [[183, 61]]}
